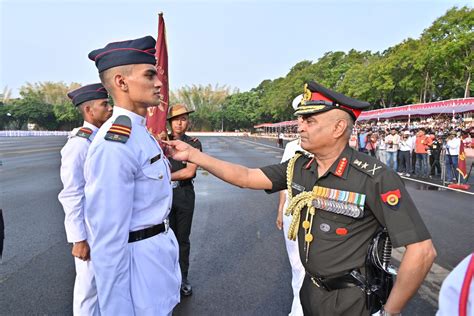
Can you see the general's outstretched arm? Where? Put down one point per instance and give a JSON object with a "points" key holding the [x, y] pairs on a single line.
{"points": [[232, 173]]}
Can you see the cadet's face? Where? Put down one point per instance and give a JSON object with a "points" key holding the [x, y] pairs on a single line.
{"points": [[101, 110], [179, 124], [144, 85], [315, 131]]}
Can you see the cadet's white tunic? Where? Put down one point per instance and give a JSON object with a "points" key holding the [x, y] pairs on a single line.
{"points": [[126, 192], [73, 156], [450, 293], [297, 269]]}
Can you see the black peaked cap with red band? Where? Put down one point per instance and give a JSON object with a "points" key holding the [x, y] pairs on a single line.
{"points": [[86, 93], [318, 99], [136, 51]]}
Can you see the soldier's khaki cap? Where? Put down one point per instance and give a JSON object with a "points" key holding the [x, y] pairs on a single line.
{"points": [[177, 110]]}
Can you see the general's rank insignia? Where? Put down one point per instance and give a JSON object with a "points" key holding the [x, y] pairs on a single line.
{"points": [[391, 198], [341, 166], [368, 168], [120, 129], [84, 132]]}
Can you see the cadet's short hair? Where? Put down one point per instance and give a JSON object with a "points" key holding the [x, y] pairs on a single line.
{"points": [[106, 76]]}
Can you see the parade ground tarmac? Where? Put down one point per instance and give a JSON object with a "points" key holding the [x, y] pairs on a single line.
{"points": [[238, 259]]}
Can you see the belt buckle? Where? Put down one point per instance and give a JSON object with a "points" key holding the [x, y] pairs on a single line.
{"points": [[318, 282], [167, 224], [174, 184]]}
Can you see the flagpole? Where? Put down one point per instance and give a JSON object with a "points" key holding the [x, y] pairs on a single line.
{"points": [[156, 115]]}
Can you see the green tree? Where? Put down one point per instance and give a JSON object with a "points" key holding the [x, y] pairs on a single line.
{"points": [[452, 39], [24, 111], [207, 101], [240, 111], [54, 94]]}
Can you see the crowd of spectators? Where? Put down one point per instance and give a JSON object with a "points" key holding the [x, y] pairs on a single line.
{"points": [[425, 148]]}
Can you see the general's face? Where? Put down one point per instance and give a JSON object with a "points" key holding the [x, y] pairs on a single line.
{"points": [[315, 131], [179, 124], [144, 85], [101, 110]]}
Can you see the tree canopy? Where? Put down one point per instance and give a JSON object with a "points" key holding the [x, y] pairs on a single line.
{"points": [[436, 66]]}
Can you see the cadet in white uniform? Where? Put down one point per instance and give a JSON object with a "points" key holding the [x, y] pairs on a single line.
{"points": [[456, 296], [92, 102], [284, 221], [128, 191]]}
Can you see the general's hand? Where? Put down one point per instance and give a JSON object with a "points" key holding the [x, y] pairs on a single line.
{"points": [[179, 150], [81, 250]]}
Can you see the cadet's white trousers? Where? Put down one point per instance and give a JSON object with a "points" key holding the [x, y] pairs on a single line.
{"points": [[297, 269], [85, 291]]}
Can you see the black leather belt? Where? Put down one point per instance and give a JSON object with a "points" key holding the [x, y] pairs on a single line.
{"points": [[146, 232], [336, 283], [181, 184]]}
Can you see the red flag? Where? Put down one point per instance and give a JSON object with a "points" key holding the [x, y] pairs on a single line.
{"points": [[156, 115], [462, 161]]}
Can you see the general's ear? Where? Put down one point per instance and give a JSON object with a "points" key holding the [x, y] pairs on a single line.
{"points": [[340, 128]]}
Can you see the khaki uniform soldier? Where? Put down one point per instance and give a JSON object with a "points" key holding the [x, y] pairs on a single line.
{"points": [[92, 102], [343, 204], [183, 173]]}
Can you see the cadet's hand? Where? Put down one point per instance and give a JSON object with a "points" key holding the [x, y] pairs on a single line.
{"points": [[81, 250], [178, 150], [279, 221]]}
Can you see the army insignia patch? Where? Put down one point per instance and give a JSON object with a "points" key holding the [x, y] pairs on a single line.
{"points": [[391, 198], [341, 166], [120, 129], [84, 132]]}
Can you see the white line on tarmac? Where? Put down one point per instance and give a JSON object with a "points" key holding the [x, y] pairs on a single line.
{"points": [[31, 150], [260, 144], [437, 185]]}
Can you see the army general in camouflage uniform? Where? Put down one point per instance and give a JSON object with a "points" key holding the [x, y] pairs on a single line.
{"points": [[341, 199]]}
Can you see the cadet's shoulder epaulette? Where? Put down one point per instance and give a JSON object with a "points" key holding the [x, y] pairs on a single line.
{"points": [[367, 165], [84, 132], [120, 129]]}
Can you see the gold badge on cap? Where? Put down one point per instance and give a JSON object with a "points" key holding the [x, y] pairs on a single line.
{"points": [[307, 94]]}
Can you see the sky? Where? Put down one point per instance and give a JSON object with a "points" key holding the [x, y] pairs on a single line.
{"points": [[234, 43]]}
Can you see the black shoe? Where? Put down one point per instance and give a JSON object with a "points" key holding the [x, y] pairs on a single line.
{"points": [[186, 288]]}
